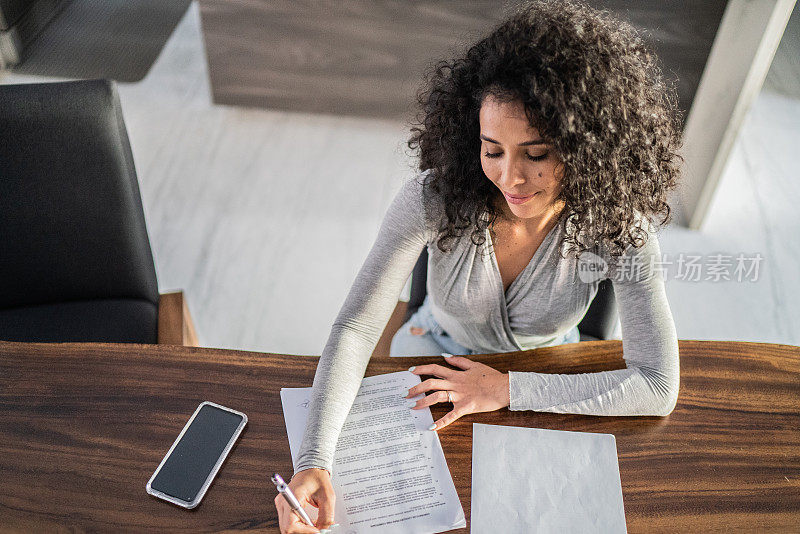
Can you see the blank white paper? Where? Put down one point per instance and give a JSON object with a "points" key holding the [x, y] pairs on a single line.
{"points": [[535, 480], [389, 472]]}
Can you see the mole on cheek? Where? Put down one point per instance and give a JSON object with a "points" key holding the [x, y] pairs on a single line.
{"points": [[540, 175]]}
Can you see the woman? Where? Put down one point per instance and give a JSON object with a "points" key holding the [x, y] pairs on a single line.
{"points": [[550, 141]]}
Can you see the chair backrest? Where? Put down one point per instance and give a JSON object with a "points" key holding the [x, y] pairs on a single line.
{"points": [[72, 226], [599, 322]]}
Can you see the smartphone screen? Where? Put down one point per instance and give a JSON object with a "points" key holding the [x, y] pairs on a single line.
{"points": [[197, 454]]}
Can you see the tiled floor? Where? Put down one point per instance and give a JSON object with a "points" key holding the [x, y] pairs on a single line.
{"points": [[264, 218]]}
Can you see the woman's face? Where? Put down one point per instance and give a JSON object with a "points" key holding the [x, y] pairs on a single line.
{"points": [[515, 158]]}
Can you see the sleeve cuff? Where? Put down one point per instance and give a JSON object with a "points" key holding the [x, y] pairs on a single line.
{"points": [[514, 394], [312, 466]]}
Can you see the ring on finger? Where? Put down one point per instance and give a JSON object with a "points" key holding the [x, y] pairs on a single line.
{"points": [[449, 397]]}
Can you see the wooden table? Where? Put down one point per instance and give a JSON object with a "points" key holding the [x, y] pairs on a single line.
{"points": [[83, 426]]}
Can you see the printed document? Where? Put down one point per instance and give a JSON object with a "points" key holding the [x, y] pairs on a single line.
{"points": [[536, 480], [389, 471]]}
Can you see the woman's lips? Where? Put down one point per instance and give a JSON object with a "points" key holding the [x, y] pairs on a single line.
{"points": [[518, 200]]}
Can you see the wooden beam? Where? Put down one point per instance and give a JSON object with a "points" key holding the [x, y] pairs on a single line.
{"points": [[746, 41]]}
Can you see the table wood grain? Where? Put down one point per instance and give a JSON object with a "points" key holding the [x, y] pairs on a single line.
{"points": [[83, 427]]}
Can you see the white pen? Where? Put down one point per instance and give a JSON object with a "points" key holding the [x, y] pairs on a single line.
{"points": [[284, 490]]}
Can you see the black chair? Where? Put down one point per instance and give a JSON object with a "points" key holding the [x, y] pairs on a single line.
{"points": [[598, 323], [75, 258]]}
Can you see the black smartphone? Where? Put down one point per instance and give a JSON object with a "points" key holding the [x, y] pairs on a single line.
{"points": [[191, 463]]}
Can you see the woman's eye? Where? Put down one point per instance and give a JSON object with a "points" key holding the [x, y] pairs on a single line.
{"points": [[536, 158], [498, 154]]}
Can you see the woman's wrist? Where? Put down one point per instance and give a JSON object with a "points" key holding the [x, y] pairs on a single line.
{"points": [[505, 399]]}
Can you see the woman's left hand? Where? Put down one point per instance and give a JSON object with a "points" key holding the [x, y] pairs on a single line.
{"points": [[478, 388]]}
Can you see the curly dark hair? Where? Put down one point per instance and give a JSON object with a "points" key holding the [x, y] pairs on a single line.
{"points": [[591, 88]]}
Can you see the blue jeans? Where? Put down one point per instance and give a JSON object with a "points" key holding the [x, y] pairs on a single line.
{"points": [[435, 340]]}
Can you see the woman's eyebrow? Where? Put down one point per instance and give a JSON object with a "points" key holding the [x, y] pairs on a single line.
{"points": [[526, 143]]}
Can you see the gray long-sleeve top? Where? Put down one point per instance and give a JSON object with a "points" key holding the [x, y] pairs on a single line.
{"points": [[547, 299]]}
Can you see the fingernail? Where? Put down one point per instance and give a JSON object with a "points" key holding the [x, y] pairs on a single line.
{"points": [[412, 403], [334, 525], [412, 368], [432, 427], [447, 355]]}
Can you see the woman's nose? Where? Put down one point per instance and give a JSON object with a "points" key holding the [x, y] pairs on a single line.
{"points": [[511, 175]]}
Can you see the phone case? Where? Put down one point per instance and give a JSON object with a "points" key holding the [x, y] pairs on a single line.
{"points": [[212, 474]]}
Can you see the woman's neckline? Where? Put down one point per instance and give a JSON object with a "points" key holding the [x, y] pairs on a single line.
{"points": [[545, 243]]}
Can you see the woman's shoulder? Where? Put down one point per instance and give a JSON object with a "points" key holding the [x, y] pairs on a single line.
{"points": [[414, 188], [638, 261], [414, 201]]}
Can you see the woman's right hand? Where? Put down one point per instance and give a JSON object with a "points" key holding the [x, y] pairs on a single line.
{"points": [[310, 486]]}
